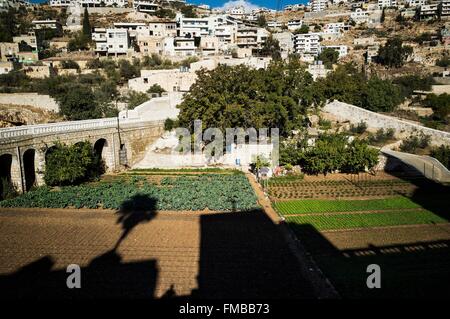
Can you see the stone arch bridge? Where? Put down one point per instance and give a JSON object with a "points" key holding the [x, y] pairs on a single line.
{"points": [[120, 143]]}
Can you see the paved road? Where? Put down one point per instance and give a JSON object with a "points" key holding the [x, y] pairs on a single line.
{"points": [[170, 254]]}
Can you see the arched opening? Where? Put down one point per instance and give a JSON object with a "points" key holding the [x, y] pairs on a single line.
{"points": [[29, 168], [99, 147], [5, 174]]}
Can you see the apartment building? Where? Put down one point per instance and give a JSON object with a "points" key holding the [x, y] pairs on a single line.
{"points": [[150, 44], [133, 28], [337, 27], [416, 3], [61, 3], [114, 41], [184, 47], [318, 70], [162, 28], [251, 37], [293, 25], [444, 10], [274, 25], [360, 16], [429, 11], [88, 3], [387, 4], [46, 24], [318, 5], [341, 49], [209, 45], [147, 6], [308, 43]]}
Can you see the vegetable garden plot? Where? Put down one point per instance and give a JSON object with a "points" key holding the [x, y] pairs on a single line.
{"points": [[348, 220], [337, 189], [325, 206], [207, 191]]}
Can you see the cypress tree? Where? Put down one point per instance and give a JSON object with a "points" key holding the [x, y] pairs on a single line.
{"points": [[86, 25]]}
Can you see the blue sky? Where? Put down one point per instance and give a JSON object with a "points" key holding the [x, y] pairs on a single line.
{"points": [[219, 3]]}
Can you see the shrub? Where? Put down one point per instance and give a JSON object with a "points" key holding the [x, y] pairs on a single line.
{"points": [[415, 142], [69, 165], [442, 154], [358, 129], [169, 124], [381, 136], [7, 190], [135, 98], [69, 64]]}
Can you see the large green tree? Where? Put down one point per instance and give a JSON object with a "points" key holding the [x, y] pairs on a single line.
{"points": [[329, 57], [394, 53], [229, 97], [77, 102], [381, 95]]}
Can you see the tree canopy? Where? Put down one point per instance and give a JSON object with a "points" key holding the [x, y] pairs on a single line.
{"points": [[238, 96], [393, 53]]}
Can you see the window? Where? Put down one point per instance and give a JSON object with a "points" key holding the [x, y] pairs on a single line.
{"points": [[145, 80]]}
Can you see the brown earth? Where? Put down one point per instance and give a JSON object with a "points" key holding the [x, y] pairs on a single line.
{"points": [[212, 255]]}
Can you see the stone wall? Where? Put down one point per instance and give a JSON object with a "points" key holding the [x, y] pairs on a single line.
{"points": [[354, 115], [44, 102]]}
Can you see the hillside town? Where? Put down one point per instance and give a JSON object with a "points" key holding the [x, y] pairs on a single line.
{"points": [[197, 151]]}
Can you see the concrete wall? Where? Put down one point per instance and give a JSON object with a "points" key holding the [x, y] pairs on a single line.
{"points": [[354, 114], [44, 102]]}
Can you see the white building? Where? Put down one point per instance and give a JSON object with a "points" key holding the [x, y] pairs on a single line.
{"points": [[308, 43], [293, 25], [274, 25], [111, 41], [46, 24], [341, 49], [251, 37], [318, 5], [318, 70], [416, 3], [148, 6], [429, 11], [360, 16], [387, 4]]}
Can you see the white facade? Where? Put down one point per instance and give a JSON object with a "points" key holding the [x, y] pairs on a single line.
{"points": [[387, 4], [88, 3], [318, 5], [111, 41], [341, 49], [416, 3], [307, 43], [251, 37], [148, 6], [317, 70], [293, 25]]}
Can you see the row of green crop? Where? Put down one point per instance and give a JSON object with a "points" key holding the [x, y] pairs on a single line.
{"points": [[323, 206], [346, 221], [215, 192]]}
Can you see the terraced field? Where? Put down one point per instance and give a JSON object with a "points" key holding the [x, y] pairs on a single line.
{"points": [[339, 189], [339, 220]]}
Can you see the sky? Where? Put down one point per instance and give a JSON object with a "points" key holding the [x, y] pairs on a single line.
{"points": [[272, 4]]}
